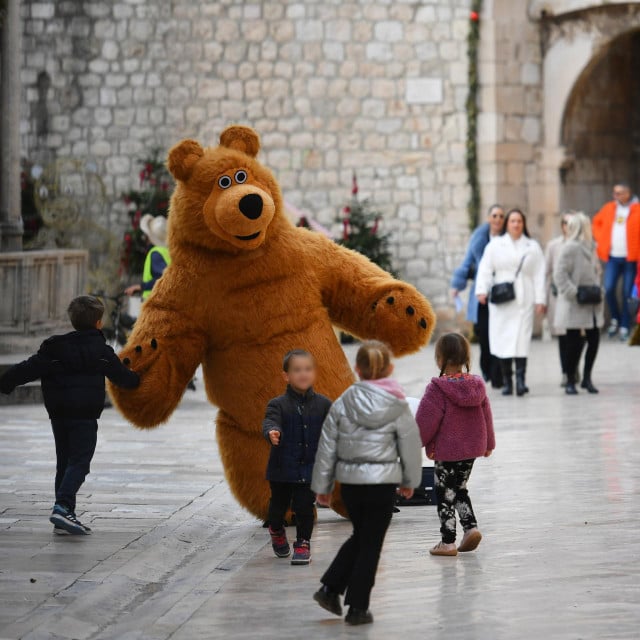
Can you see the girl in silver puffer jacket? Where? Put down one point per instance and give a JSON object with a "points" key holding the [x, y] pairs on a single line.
{"points": [[370, 444]]}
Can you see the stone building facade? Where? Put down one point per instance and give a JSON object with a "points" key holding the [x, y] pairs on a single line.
{"points": [[336, 86]]}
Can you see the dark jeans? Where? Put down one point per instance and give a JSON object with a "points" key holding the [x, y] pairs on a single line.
{"points": [[75, 446], [451, 491], [490, 365], [574, 344], [615, 269], [300, 498], [370, 508]]}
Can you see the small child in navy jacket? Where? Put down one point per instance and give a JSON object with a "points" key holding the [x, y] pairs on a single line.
{"points": [[72, 368], [292, 425]]}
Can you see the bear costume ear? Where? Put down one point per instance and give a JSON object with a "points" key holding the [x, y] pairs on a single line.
{"points": [[240, 138], [183, 157]]}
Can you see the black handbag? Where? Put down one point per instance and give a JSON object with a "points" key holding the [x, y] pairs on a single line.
{"points": [[589, 294], [505, 291]]}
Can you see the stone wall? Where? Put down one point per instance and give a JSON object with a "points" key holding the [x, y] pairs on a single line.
{"points": [[36, 288], [336, 86], [510, 122], [601, 131]]}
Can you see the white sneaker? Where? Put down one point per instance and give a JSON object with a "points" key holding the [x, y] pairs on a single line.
{"points": [[613, 328], [623, 334]]}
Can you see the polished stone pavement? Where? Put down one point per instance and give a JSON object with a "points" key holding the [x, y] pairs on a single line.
{"points": [[173, 556]]}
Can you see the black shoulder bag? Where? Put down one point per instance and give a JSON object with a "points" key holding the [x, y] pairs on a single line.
{"points": [[505, 291], [589, 294]]}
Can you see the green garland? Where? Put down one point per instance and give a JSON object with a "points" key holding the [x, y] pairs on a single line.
{"points": [[473, 40]]}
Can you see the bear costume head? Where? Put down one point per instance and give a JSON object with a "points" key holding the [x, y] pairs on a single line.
{"points": [[244, 287], [225, 200]]}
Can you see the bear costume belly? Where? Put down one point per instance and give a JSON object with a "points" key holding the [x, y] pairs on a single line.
{"points": [[245, 287]]}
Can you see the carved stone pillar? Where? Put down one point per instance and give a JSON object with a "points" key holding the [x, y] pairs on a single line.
{"points": [[10, 56]]}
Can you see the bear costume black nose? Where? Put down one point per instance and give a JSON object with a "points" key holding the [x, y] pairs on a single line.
{"points": [[251, 206]]}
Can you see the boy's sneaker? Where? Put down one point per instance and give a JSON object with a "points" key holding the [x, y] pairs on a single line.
{"points": [[301, 552], [280, 543], [613, 328], [623, 334], [63, 518]]}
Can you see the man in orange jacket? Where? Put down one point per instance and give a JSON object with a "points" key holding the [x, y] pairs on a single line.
{"points": [[616, 230]]}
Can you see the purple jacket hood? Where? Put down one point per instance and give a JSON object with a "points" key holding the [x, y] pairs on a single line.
{"points": [[468, 391]]}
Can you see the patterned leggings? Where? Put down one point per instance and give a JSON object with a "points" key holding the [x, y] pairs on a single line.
{"points": [[451, 491]]}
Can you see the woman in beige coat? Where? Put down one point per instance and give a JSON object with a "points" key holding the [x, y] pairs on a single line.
{"points": [[577, 265], [551, 254]]}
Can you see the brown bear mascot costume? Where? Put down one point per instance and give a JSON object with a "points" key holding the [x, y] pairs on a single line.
{"points": [[244, 287]]}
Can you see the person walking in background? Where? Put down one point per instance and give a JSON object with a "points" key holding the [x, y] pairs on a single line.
{"points": [[157, 258], [579, 309], [456, 427], [550, 256], [616, 230], [634, 340], [478, 313], [292, 426], [370, 444], [72, 368], [516, 258]]}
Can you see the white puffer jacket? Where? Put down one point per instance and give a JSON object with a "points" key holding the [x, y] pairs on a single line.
{"points": [[369, 437]]}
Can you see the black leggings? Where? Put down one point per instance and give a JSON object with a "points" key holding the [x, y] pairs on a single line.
{"points": [[489, 364], [370, 508], [574, 343], [452, 495]]}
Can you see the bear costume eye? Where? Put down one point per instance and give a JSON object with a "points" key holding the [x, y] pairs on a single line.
{"points": [[241, 176], [224, 182]]}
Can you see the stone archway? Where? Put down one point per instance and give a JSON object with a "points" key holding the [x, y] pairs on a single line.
{"points": [[600, 129]]}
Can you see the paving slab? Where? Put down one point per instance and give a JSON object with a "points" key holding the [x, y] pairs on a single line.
{"points": [[174, 556]]}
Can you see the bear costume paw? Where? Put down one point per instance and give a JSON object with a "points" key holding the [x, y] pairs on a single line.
{"points": [[402, 318]]}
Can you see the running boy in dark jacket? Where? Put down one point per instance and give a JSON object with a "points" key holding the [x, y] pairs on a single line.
{"points": [[292, 425], [72, 368]]}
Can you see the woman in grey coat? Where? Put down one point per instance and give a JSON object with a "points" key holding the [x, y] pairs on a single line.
{"points": [[577, 265], [370, 444]]}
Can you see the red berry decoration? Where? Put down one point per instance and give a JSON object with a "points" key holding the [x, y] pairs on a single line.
{"points": [[474, 16]]}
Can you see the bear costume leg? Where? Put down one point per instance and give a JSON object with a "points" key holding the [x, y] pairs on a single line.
{"points": [[244, 459]]}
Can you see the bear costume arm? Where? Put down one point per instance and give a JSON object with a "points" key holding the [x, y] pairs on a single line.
{"points": [[165, 348], [366, 301]]}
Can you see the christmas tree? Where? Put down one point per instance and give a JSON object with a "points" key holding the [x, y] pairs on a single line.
{"points": [[361, 230], [152, 196]]}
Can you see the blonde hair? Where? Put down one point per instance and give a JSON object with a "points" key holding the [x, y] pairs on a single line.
{"points": [[373, 360], [579, 228]]}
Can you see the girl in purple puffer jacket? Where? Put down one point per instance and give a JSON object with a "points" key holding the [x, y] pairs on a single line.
{"points": [[456, 426]]}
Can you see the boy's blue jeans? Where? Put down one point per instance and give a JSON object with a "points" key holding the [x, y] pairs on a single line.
{"points": [[75, 446], [615, 269]]}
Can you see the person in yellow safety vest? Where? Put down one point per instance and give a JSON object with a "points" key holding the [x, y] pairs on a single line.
{"points": [[157, 259]]}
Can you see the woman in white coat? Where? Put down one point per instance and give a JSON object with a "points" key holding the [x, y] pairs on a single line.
{"points": [[513, 257], [577, 266]]}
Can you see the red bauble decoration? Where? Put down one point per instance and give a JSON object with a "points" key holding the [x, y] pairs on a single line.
{"points": [[474, 16]]}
